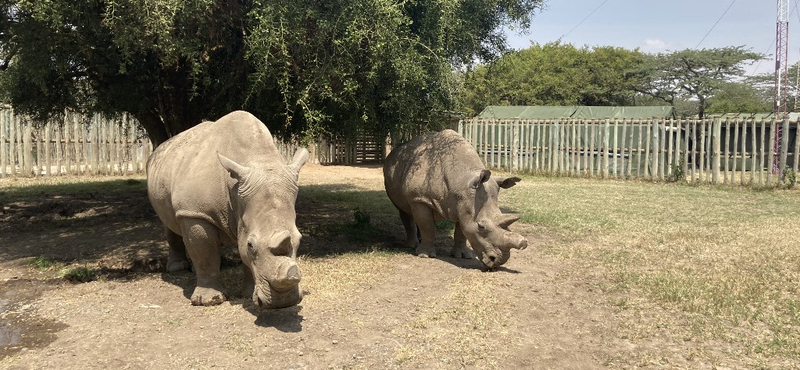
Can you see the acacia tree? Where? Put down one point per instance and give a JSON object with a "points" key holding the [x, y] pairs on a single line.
{"points": [[692, 74], [303, 66]]}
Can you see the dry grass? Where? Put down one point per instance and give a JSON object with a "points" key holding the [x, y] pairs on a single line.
{"points": [[726, 259]]}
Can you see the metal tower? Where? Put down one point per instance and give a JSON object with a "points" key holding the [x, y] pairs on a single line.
{"points": [[781, 76]]}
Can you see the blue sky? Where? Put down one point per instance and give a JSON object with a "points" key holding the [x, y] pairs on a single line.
{"points": [[665, 25]]}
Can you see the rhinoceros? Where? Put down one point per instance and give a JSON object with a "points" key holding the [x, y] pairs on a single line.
{"points": [[225, 182], [440, 176]]}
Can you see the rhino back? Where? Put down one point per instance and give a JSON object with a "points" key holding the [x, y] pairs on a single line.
{"points": [[185, 177], [431, 168]]}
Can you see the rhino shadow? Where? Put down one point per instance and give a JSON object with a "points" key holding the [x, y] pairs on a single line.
{"points": [[287, 320]]}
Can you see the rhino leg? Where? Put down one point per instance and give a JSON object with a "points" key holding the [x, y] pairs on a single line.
{"points": [[423, 217], [177, 260], [202, 242], [460, 249], [412, 239]]}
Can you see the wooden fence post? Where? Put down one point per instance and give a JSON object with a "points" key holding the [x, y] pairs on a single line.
{"points": [[27, 147], [735, 150], [515, 133], [796, 147], [716, 152], [784, 148], [4, 137], [771, 153]]}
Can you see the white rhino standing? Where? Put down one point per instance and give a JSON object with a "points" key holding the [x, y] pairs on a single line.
{"points": [[225, 182], [440, 176]]}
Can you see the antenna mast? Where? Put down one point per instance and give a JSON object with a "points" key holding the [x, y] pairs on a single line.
{"points": [[781, 77]]}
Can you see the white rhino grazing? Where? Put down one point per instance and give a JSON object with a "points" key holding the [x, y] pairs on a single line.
{"points": [[440, 176], [225, 182]]}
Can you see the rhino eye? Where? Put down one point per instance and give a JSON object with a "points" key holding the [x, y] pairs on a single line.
{"points": [[252, 249]]}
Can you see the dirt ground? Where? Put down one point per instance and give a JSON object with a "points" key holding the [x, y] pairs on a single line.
{"points": [[362, 310]]}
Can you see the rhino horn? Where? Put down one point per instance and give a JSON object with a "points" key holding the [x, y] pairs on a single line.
{"points": [[281, 243], [505, 221], [507, 182], [236, 170]]}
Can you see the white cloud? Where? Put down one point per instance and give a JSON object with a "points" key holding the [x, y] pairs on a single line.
{"points": [[655, 46]]}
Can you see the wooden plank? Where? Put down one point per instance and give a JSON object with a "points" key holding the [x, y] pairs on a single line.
{"points": [[490, 141], [579, 147], [48, 170], [4, 147], [771, 153], [515, 142], [762, 152], [615, 149], [27, 148], [647, 146], [81, 160], [627, 142], [16, 144], [735, 150], [59, 148], [592, 140], [693, 155], [529, 151], [38, 141], [726, 158], [796, 167], [754, 154], [660, 130], [784, 147], [640, 125], [606, 132], [716, 154], [703, 147], [667, 145], [485, 127]]}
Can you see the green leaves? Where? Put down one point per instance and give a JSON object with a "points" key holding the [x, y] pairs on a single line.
{"points": [[555, 74]]}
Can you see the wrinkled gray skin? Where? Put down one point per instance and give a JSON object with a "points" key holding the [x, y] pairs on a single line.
{"points": [[225, 182], [440, 176]]}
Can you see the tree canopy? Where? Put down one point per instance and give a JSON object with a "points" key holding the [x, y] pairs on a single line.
{"points": [[304, 66], [554, 74]]}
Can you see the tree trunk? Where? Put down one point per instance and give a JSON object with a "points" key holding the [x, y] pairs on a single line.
{"points": [[701, 111]]}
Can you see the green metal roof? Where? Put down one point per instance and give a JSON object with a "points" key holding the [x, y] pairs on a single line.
{"points": [[544, 112]]}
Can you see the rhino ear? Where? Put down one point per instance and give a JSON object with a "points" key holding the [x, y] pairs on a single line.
{"points": [[300, 158], [507, 182], [480, 179], [505, 221], [236, 170]]}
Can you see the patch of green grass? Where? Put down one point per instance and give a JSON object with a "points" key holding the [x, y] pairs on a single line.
{"points": [[80, 274], [42, 263]]}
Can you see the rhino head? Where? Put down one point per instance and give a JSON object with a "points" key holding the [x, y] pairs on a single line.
{"points": [[263, 200], [483, 223]]}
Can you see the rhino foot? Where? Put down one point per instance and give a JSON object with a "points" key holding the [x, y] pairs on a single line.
{"points": [[426, 252], [207, 297], [462, 252]]}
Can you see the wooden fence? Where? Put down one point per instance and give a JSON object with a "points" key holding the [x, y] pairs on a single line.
{"points": [[716, 151], [72, 145]]}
